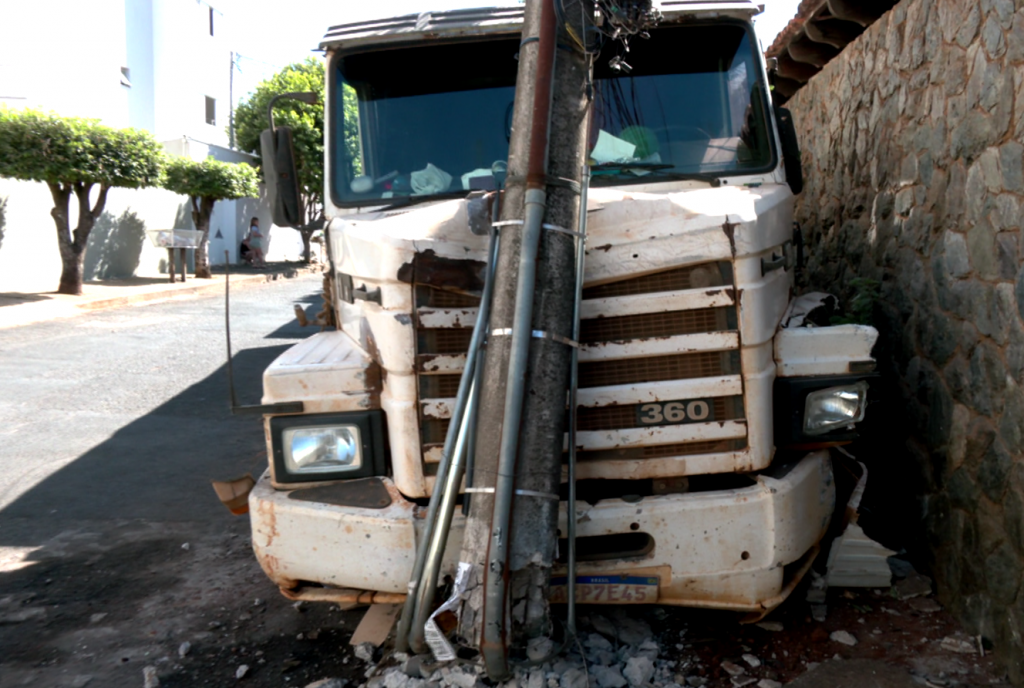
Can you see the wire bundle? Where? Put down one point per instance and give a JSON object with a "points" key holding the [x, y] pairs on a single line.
{"points": [[591, 22]]}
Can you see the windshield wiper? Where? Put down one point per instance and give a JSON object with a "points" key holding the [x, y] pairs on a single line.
{"points": [[413, 199], [616, 166]]}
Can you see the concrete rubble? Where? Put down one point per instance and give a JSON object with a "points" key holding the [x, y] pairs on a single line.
{"points": [[609, 653], [843, 637]]}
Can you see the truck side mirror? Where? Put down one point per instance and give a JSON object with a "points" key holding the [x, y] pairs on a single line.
{"points": [[790, 149], [279, 172]]}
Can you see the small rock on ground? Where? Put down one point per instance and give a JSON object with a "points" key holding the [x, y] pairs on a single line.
{"points": [[364, 651], [733, 669], [843, 637], [328, 683], [149, 678], [914, 585], [925, 605], [539, 648], [574, 678], [638, 670], [608, 677], [951, 644]]}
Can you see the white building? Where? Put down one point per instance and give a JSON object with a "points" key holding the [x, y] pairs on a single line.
{"points": [[160, 65]]}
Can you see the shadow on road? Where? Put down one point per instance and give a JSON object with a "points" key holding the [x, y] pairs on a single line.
{"points": [[158, 467], [13, 298]]}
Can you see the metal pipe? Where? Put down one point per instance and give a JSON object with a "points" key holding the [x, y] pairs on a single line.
{"points": [[485, 298], [493, 645], [479, 333], [581, 242], [478, 380], [439, 538], [496, 572], [232, 400]]}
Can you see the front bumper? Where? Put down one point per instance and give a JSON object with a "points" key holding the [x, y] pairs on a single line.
{"points": [[739, 549]]}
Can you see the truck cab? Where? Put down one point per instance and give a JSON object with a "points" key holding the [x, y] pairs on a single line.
{"points": [[704, 426]]}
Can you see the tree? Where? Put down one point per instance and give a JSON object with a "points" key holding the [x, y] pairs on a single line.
{"points": [[72, 155], [205, 183], [307, 123]]}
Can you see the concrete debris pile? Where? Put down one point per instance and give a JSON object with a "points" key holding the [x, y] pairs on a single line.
{"points": [[606, 654], [609, 653]]}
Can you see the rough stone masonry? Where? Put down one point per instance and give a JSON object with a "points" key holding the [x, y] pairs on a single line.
{"points": [[914, 167]]}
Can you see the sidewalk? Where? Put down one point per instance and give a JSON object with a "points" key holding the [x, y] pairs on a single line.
{"points": [[23, 308]]}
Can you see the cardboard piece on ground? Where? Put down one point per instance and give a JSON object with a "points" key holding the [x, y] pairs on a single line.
{"points": [[376, 624], [857, 561]]}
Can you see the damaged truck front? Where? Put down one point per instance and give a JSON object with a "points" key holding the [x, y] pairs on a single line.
{"points": [[703, 426]]}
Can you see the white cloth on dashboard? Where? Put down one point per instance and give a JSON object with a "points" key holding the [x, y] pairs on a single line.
{"points": [[430, 180]]}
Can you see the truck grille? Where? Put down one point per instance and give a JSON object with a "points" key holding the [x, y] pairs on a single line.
{"points": [[660, 372]]}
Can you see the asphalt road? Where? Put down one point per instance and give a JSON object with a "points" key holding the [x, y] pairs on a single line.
{"points": [[114, 549], [123, 414]]}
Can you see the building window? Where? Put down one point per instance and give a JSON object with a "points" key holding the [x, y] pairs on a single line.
{"points": [[211, 21], [126, 77], [211, 110]]}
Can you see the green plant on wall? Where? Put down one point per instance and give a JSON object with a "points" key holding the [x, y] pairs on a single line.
{"points": [[861, 308]]}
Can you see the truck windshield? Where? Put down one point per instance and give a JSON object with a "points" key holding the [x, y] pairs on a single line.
{"points": [[435, 120]]}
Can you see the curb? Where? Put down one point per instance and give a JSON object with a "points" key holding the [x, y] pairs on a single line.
{"points": [[205, 286], [44, 311]]}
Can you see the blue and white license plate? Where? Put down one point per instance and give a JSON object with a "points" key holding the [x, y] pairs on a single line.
{"points": [[613, 589]]}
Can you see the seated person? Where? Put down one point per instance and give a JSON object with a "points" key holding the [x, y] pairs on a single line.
{"points": [[245, 252]]}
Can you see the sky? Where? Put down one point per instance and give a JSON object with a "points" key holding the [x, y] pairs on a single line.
{"points": [[273, 34]]}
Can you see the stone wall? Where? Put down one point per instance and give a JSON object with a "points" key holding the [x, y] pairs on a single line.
{"points": [[914, 175]]}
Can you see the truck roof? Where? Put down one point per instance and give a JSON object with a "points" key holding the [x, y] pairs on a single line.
{"points": [[496, 20]]}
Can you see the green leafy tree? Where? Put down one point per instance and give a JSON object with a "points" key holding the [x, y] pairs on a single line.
{"points": [[205, 183], [307, 123], [73, 155]]}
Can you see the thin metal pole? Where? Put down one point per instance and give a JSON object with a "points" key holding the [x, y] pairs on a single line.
{"points": [[479, 373], [227, 331], [402, 638], [573, 385], [439, 538], [231, 103]]}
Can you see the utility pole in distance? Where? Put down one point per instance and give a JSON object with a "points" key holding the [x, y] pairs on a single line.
{"points": [[511, 534], [231, 104]]}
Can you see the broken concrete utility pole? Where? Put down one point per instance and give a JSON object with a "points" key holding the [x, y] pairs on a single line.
{"points": [[511, 533]]}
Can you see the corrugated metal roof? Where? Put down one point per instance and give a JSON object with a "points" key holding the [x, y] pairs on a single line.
{"points": [[488, 20]]}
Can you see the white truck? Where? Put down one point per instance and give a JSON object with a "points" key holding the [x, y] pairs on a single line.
{"points": [[704, 474]]}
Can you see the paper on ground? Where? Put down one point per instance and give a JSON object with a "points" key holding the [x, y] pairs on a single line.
{"points": [[439, 645]]}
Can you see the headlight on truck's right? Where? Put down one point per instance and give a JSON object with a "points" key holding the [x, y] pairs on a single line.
{"points": [[818, 410], [336, 446], [836, 407]]}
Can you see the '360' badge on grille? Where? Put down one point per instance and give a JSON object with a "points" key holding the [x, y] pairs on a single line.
{"points": [[669, 412]]}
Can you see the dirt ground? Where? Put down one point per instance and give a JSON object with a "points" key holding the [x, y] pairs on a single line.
{"points": [[97, 605]]}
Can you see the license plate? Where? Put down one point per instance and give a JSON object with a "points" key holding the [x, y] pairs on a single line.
{"points": [[675, 412], [607, 589]]}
